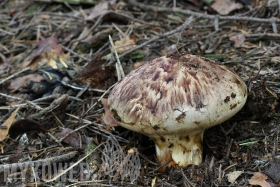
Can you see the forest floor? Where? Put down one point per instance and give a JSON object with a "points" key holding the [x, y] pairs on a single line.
{"points": [[57, 67]]}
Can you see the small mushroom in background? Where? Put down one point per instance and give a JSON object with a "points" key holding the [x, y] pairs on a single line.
{"points": [[173, 99]]}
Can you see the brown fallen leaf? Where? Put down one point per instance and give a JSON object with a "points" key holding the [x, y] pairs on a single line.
{"points": [[154, 181], [60, 107], [72, 138], [232, 176], [124, 44], [100, 8], [259, 179], [107, 118], [7, 124], [224, 7], [238, 40], [19, 82], [48, 50]]}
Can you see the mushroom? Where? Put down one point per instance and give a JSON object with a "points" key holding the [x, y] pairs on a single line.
{"points": [[173, 99]]}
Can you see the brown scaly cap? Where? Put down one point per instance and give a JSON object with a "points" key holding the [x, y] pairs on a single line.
{"points": [[177, 94]]}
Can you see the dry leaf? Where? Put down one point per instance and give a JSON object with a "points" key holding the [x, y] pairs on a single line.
{"points": [[100, 8], [259, 179], [18, 82], [124, 44], [48, 50], [238, 40], [71, 139], [153, 182], [232, 176], [7, 124], [224, 7], [107, 118]]}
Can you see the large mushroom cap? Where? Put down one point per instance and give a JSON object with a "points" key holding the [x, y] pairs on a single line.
{"points": [[177, 94]]}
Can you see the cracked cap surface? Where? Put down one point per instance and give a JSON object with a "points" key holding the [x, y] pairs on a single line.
{"points": [[177, 94]]}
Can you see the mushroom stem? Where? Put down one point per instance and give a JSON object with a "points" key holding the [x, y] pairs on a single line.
{"points": [[179, 149]]}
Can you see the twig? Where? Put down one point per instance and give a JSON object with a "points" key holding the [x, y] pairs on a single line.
{"points": [[47, 97], [279, 6], [52, 106], [52, 14], [55, 159], [7, 32], [228, 149], [100, 19], [220, 174], [186, 180], [98, 129], [14, 75], [99, 99], [232, 165], [272, 36], [188, 12], [74, 53], [97, 22], [176, 30], [179, 38], [3, 2], [118, 64], [77, 129], [19, 99], [73, 165], [13, 106], [97, 53], [216, 23]]}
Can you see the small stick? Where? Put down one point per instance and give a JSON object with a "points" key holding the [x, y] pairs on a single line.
{"points": [[19, 99], [216, 23], [178, 29], [186, 179], [99, 99], [52, 106], [46, 97], [279, 6], [61, 158], [74, 53], [12, 107], [228, 150], [232, 165], [77, 129], [119, 65], [73, 165], [220, 174], [207, 16], [14, 75]]}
